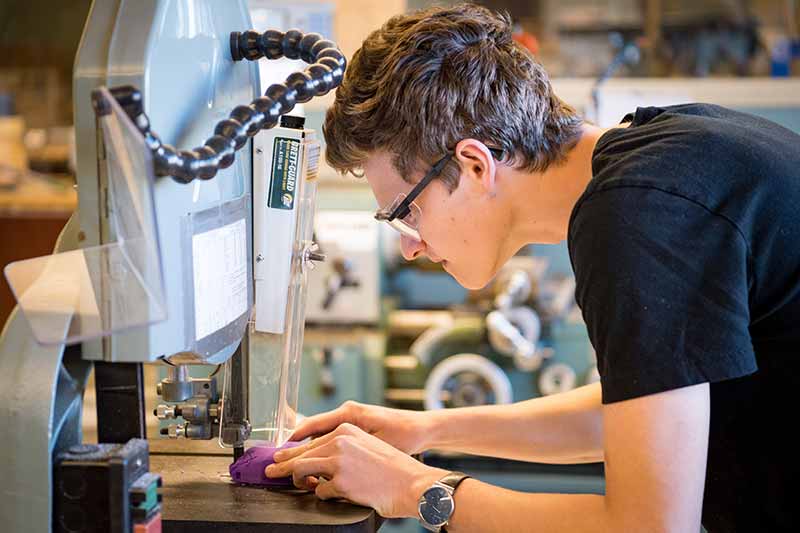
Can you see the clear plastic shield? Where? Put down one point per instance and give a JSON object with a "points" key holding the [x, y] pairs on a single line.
{"points": [[274, 359], [82, 294]]}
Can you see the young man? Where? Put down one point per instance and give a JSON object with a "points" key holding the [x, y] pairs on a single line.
{"points": [[683, 231]]}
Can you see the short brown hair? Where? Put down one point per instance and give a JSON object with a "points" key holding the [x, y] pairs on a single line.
{"points": [[428, 79]]}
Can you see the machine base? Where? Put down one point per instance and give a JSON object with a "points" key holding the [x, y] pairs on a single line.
{"points": [[198, 496]]}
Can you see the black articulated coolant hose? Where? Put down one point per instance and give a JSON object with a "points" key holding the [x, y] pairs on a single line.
{"points": [[325, 72]]}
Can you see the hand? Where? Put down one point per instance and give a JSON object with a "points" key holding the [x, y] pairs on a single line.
{"points": [[352, 464], [408, 431]]}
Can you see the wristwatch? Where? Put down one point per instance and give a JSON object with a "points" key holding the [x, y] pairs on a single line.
{"points": [[436, 505]]}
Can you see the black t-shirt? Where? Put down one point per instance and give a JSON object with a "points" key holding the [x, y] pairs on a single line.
{"points": [[686, 252]]}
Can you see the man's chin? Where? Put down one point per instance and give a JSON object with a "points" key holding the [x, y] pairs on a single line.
{"points": [[469, 282]]}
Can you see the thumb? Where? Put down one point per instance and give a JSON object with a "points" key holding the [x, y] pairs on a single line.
{"points": [[319, 424]]}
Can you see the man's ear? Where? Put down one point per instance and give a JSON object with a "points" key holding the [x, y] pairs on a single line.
{"points": [[477, 163]]}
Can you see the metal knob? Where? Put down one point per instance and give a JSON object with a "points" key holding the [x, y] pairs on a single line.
{"points": [[165, 412], [174, 431]]}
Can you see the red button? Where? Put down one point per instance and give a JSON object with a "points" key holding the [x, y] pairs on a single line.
{"points": [[153, 526]]}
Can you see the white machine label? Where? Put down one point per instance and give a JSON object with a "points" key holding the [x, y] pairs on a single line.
{"points": [[219, 257]]}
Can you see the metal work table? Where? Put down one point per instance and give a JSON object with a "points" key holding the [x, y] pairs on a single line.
{"points": [[199, 497]]}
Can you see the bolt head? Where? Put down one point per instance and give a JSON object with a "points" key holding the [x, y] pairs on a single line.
{"points": [[164, 412]]}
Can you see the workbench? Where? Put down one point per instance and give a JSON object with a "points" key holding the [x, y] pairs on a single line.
{"points": [[32, 215], [198, 497]]}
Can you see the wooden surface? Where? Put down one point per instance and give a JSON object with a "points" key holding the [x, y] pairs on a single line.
{"points": [[199, 497], [39, 196], [32, 215]]}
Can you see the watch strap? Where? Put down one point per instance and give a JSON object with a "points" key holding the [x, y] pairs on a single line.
{"points": [[453, 479]]}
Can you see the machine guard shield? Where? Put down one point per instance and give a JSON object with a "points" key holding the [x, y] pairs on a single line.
{"points": [[83, 294], [274, 359]]}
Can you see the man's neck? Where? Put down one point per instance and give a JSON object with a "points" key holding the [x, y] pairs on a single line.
{"points": [[542, 202]]}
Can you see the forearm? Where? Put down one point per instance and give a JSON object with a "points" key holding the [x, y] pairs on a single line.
{"points": [[655, 458], [482, 508], [565, 428]]}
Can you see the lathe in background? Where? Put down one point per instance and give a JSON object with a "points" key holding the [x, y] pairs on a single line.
{"points": [[521, 337]]}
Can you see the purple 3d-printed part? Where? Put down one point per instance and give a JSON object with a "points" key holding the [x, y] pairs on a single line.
{"points": [[250, 467]]}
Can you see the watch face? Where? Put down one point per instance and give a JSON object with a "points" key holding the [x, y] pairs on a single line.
{"points": [[436, 506]]}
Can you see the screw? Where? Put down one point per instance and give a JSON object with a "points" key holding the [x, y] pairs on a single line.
{"points": [[315, 256]]}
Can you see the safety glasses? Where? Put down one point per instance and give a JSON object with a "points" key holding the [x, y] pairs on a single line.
{"points": [[403, 214]]}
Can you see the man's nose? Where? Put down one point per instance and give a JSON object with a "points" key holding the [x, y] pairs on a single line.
{"points": [[411, 248]]}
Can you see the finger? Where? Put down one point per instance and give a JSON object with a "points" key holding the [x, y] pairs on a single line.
{"points": [[317, 466], [305, 483], [329, 450], [300, 482], [327, 490], [320, 424], [344, 429], [289, 453], [286, 468]]}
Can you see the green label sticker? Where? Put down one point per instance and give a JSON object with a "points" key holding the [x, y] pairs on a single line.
{"points": [[285, 169]]}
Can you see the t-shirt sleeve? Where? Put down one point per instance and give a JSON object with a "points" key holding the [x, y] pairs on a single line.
{"points": [[662, 283]]}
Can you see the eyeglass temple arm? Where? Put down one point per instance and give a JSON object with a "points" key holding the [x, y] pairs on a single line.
{"points": [[403, 209]]}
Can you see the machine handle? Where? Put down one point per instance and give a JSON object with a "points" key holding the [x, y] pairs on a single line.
{"points": [[323, 74]]}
